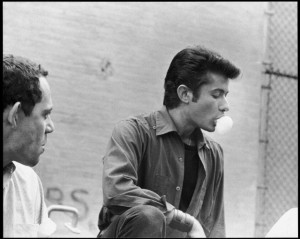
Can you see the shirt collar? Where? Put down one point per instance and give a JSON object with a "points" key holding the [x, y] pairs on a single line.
{"points": [[7, 173], [9, 168], [165, 124], [202, 140]]}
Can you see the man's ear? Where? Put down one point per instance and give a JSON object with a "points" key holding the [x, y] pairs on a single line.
{"points": [[184, 93], [13, 114]]}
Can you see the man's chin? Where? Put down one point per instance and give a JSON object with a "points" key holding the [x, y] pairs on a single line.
{"points": [[33, 162], [212, 129], [209, 127]]}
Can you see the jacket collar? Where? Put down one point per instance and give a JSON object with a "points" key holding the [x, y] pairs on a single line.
{"points": [[165, 124]]}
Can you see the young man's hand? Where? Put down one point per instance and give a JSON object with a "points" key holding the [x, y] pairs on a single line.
{"points": [[197, 230]]}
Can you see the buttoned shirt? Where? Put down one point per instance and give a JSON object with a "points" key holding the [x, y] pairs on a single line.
{"points": [[24, 210], [144, 164]]}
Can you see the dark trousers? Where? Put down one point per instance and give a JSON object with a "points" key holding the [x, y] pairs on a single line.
{"points": [[137, 222]]}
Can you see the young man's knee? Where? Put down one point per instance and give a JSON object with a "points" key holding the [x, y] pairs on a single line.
{"points": [[149, 214], [141, 221]]}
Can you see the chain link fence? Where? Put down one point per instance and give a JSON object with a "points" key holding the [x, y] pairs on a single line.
{"points": [[283, 47], [278, 186]]}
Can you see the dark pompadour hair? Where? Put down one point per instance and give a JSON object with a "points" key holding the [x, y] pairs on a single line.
{"points": [[21, 82], [190, 67]]}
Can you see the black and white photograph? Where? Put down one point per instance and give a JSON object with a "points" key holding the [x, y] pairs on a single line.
{"points": [[150, 119]]}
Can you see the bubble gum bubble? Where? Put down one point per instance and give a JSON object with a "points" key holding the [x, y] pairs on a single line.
{"points": [[224, 125]]}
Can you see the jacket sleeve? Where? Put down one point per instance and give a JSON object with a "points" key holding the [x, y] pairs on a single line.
{"points": [[120, 169]]}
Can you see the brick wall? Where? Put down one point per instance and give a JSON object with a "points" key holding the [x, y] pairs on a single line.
{"points": [[107, 61]]}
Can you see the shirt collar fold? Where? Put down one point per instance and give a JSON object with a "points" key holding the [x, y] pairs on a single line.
{"points": [[7, 173], [164, 125]]}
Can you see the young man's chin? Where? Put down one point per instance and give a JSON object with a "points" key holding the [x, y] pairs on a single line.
{"points": [[209, 129]]}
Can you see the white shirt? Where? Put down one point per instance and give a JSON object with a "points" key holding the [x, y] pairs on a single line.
{"points": [[25, 213]]}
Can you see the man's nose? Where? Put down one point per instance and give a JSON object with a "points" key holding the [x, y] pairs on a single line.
{"points": [[50, 126], [224, 105]]}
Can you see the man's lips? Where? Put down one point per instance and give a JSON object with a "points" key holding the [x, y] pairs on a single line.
{"points": [[45, 142], [220, 117], [217, 118]]}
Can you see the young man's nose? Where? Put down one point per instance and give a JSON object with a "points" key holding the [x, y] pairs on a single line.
{"points": [[224, 106]]}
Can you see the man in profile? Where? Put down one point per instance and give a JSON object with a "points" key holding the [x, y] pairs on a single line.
{"points": [[162, 176], [27, 106]]}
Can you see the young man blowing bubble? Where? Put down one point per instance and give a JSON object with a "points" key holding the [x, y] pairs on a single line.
{"points": [[162, 177]]}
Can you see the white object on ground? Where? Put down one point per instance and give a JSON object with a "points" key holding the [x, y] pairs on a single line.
{"points": [[286, 226], [47, 228], [224, 124]]}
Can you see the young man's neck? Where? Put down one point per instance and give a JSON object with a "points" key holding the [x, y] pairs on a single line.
{"points": [[183, 126]]}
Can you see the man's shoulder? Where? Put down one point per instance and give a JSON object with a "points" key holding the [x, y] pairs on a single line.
{"points": [[21, 168], [140, 121], [25, 173]]}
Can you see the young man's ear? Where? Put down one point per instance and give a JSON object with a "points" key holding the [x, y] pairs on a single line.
{"points": [[13, 114], [184, 93]]}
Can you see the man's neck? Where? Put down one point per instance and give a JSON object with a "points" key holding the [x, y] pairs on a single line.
{"points": [[183, 126], [6, 158]]}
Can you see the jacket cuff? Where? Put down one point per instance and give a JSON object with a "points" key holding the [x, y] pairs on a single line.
{"points": [[182, 221]]}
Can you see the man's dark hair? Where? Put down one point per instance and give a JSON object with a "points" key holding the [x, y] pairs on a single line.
{"points": [[21, 82], [190, 67]]}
